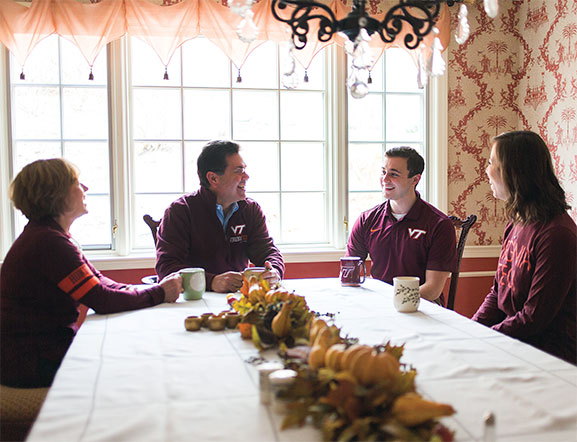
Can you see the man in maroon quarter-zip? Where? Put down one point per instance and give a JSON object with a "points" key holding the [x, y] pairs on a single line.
{"points": [[217, 227]]}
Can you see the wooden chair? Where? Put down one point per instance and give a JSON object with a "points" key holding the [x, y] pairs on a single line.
{"points": [[465, 225], [153, 225]]}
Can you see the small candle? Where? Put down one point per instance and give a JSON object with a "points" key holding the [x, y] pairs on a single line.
{"points": [[264, 370], [280, 381]]}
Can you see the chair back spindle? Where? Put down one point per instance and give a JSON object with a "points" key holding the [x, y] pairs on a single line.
{"points": [[465, 225]]}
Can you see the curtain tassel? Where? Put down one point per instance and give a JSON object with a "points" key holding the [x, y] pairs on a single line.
{"points": [[239, 78], [306, 76], [370, 79], [91, 75], [165, 73], [22, 76]]}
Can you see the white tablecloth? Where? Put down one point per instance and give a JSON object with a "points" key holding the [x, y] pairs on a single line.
{"points": [[140, 376]]}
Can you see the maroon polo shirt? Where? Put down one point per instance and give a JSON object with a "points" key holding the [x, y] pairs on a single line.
{"points": [[423, 240]]}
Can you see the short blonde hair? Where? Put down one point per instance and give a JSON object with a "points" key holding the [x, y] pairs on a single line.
{"points": [[40, 189]]}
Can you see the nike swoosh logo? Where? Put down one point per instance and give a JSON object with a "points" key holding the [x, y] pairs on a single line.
{"points": [[375, 230]]}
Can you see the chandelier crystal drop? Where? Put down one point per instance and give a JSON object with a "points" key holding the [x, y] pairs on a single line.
{"points": [[463, 27], [492, 8]]}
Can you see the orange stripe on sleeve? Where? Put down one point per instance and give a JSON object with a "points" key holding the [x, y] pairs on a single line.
{"points": [[84, 288], [75, 277]]}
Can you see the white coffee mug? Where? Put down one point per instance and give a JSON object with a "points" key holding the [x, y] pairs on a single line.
{"points": [[406, 293]]}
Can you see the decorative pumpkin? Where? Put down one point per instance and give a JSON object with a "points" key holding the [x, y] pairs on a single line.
{"points": [[370, 368], [350, 352], [316, 325], [334, 356], [323, 337], [317, 356]]}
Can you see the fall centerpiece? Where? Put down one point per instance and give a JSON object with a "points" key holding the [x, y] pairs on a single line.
{"points": [[349, 390]]}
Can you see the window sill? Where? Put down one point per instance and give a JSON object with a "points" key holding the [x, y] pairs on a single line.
{"points": [[147, 260]]}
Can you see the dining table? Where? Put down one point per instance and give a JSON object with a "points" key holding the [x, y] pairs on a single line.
{"points": [[141, 376]]}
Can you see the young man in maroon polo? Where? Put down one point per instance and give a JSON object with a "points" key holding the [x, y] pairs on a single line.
{"points": [[217, 227], [406, 236]]}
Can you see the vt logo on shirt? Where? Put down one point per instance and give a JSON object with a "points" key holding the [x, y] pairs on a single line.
{"points": [[237, 232], [416, 233]]}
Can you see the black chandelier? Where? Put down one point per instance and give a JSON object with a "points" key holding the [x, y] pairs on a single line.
{"points": [[416, 19], [420, 15]]}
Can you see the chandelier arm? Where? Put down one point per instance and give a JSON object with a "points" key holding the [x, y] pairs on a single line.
{"points": [[420, 25], [300, 17]]}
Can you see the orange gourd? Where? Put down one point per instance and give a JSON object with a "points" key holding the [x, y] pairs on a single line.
{"points": [[350, 352], [334, 356]]}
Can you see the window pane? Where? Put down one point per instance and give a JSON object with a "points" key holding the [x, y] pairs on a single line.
{"points": [[261, 159], [191, 153], [366, 118], [365, 163], [84, 113], [204, 64], [255, 115], [92, 158], [153, 205], [41, 64], [269, 202], [93, 230], [147, 68], [259, 69], [404, 117], [35, 112], [206, 114], [401, 71], [302, 115], [302, 166], [315, 72], [26, 152], [74, 72], [303, 218], [156, 114], [157, 167], [361, 201]]}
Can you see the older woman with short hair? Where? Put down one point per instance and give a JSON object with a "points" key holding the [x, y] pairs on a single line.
{"points": [[533, 297], [47, 284]]}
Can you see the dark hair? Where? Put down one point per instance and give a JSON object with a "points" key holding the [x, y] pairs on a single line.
{"points": [[527, 170], [213, 159], [40, 189], [415, 162]]}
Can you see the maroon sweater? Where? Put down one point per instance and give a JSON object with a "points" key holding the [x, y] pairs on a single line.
{"points": [[46, 284], [534, 292], [191, 235]]}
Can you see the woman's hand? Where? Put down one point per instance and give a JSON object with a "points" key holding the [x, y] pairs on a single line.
{"points": [[172, 286]]}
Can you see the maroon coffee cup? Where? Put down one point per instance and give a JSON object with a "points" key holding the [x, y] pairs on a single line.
{"points": [[351, 271]]}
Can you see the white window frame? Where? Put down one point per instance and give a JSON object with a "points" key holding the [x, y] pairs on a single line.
{"points": [[123, 258]]}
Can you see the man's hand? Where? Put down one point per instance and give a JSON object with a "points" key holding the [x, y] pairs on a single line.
{"points": [[172, 286], [227, 282], [271, 274]]}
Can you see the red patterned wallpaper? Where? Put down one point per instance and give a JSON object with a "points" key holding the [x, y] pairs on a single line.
{"points": [[517, 71]]}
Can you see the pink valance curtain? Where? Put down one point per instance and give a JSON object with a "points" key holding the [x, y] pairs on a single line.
{"points": [[91, 24]]}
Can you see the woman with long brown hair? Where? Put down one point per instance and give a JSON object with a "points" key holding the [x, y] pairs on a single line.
{"points": [[533, 297]]}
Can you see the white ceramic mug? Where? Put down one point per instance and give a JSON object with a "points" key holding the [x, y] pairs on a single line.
{"points": [[406, 293]]}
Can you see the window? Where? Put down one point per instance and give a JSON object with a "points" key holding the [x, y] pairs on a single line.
{"points": [[58, 112], [136, 141]]}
